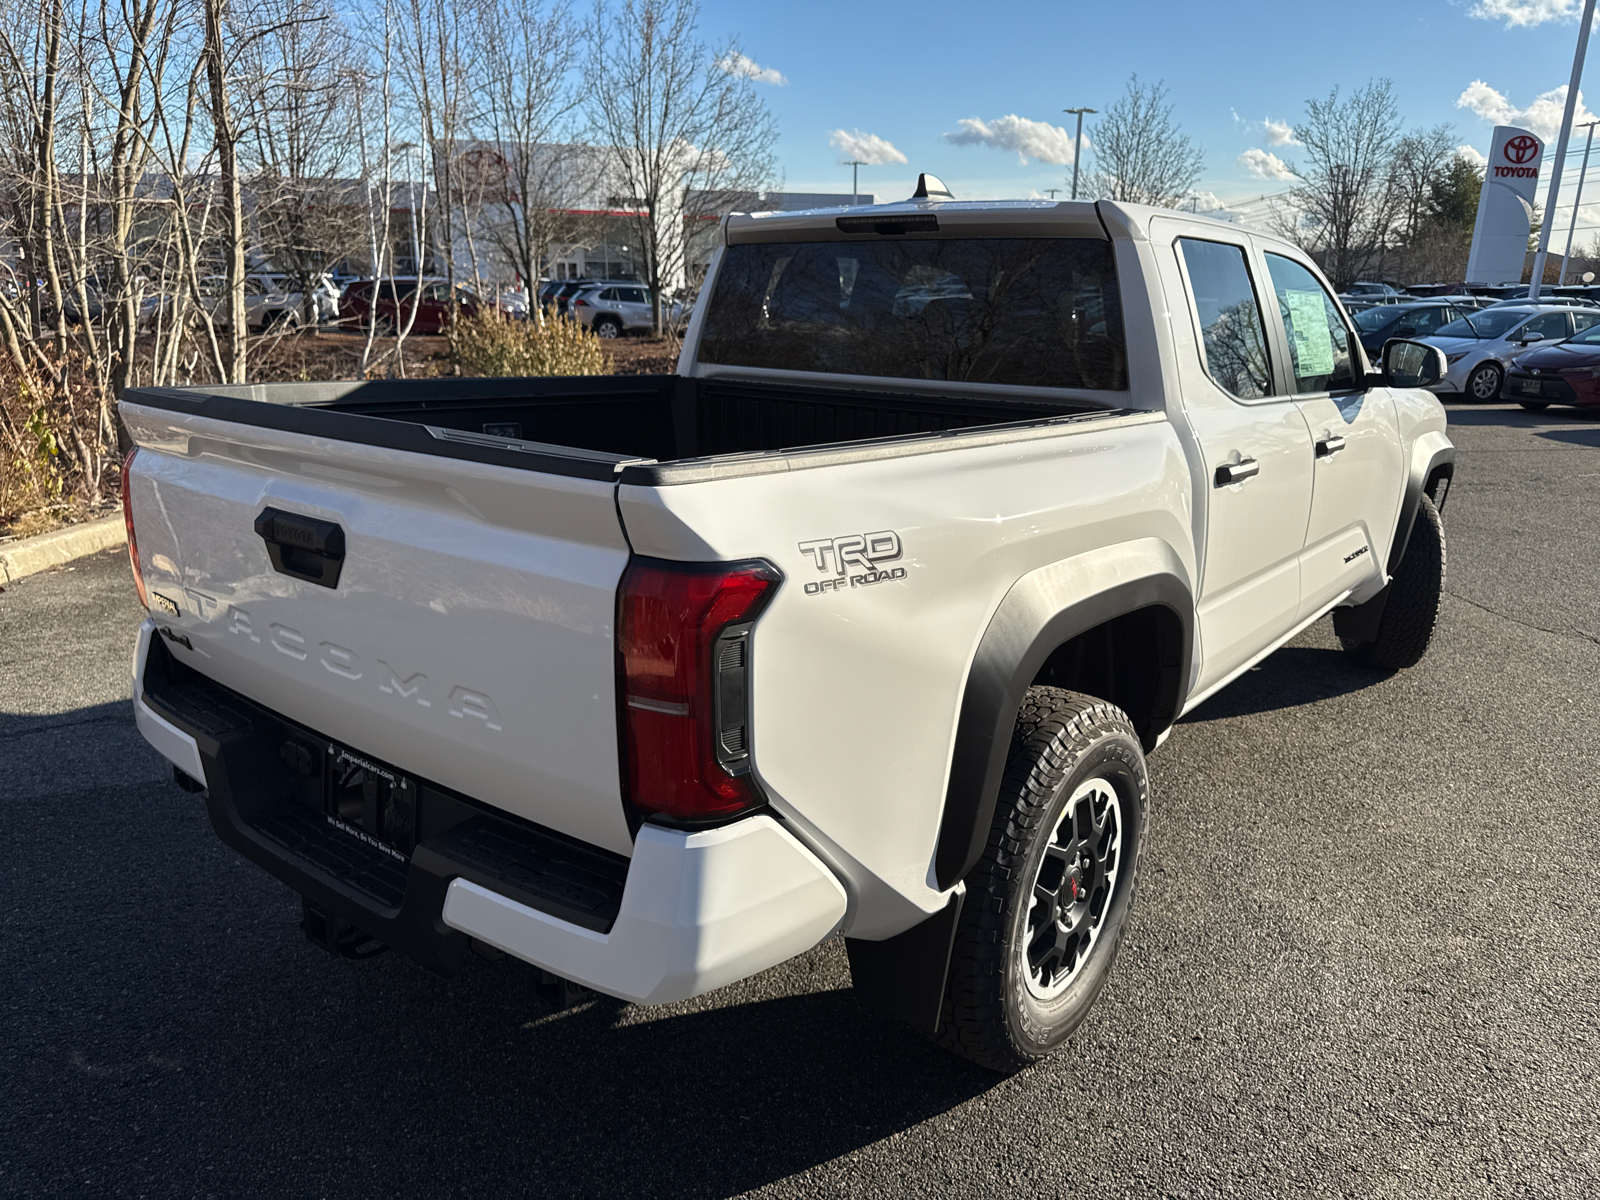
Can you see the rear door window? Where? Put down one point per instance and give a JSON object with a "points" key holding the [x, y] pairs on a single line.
{"points": [[1032, 312], [1233, 340], [1319, 341]]}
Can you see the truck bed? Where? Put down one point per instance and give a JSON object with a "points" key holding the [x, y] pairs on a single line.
{"points": [[590, 426]]}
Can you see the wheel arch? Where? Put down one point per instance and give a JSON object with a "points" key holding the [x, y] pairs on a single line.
{"points": [[1060, 624], [1431, 469]]}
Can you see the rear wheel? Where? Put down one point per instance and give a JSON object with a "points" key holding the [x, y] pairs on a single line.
{"points": [[1047, 905], [607, 327], [1483, 385]]}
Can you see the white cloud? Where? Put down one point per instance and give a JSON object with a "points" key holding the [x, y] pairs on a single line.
{"points": [[1473, 155], [735, 63], [1265, 165], [1543, 116], [867, 148], [1280, 133], [1030, 139], [1526, 12]]}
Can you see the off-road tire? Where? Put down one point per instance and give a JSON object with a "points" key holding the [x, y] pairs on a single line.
{"points": [[1412, 609], [1061, 740], [1534, 406], [1484, 393]]}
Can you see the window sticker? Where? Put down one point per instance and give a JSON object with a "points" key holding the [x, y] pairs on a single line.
{"points": [[1308, 326]]}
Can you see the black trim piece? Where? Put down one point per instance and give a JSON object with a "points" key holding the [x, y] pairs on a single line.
{"points": [[889, 223], [357, 413], [270, 812], [833, 454], [904, 976], [1029, 625], [1443, 461]]}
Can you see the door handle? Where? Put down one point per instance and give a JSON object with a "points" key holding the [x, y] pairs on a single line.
{"points": [[1237, 472], [1329, 446], [302, 547]]}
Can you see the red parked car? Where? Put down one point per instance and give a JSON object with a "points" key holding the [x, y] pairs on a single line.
{"points": [[397, 297], [1567, 372]]}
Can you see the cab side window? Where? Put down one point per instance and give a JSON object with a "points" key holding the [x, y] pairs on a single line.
{"points": [[1233, 338], [1552, 325], [1319, 341]]}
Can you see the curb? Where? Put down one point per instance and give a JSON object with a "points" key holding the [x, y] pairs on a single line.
{"points": [[31, 555]]}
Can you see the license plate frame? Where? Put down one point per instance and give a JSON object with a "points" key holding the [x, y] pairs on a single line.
{"points": [[1530, 387], [369, 801]]}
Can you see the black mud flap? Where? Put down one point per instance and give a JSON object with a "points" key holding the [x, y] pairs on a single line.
{"points": [[904, 976]]}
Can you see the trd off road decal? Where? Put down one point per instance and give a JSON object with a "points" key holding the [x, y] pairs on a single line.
{"points": [[854, 560]]}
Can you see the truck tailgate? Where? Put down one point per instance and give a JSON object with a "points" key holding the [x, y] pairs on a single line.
{"points": [[467, 640]]}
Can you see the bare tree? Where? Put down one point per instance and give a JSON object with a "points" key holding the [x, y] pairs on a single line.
{"points": [[438, 50], [298, 114], [683, 130], [1141, 156], [225, 141], [527, 174], [1345, 207]]}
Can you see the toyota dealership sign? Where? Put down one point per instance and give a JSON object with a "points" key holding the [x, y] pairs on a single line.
{"points": [[1505, 207]]}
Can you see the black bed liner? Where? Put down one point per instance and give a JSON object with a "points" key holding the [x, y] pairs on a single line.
{"points": [[640, 429]]}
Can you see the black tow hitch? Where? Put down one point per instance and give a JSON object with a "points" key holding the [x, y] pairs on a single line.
{"points": [[336, 935]]}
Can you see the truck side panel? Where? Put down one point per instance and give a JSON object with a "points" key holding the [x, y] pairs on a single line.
{"points": [[893, 569]]}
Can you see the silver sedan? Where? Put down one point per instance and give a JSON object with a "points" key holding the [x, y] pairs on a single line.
{"points": [[1478, 347]]}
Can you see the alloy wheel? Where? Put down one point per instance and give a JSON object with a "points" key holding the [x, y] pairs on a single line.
{"points": [[1073, 888]]}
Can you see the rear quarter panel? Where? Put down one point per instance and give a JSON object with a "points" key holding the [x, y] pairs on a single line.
{"points": [[856, 688]]}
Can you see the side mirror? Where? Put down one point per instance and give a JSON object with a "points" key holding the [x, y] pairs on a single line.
{"points": [[1530, 337], [1412, 364]]}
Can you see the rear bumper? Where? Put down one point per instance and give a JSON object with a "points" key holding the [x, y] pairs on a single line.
{"points": [[689, 912]]}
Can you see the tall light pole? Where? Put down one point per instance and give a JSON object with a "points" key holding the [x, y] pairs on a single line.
{"points": [[855, 165], [1077, 149], [1566, 254], [1561, 149]]}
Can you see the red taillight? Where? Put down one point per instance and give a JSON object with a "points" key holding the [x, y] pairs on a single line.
{"points": [[580, 304], [127, 519], [683, 638]]}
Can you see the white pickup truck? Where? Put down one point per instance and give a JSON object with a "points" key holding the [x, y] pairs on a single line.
{"points": [[862, 623]]}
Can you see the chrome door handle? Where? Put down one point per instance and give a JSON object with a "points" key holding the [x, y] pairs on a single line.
{"points": [[1329, 446], [1237, 472]]}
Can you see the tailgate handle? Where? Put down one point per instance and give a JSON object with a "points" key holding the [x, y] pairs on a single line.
{"points": [[302, 547]]}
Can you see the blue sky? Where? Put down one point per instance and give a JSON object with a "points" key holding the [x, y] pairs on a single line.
{"points": [[910, 72]]}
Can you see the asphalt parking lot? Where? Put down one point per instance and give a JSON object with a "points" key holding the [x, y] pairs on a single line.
{"points": [[1365, 960]]}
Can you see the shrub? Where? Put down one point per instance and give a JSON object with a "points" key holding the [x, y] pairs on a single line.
{"points": [[491, 344]]}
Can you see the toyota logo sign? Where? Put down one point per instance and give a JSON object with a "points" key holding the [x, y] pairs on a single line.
{"points": [[1522, 148]]}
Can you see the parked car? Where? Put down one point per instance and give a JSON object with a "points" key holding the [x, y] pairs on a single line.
{"points": [[862, 623], [1364, 295], [567, 289], [1564, 373], [1478, 347], [267, 305], [1378, 324], [614, 309], [394, 301]]}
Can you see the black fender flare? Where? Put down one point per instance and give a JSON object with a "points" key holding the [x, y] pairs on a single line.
{"points": [[1432, 457], [1429, 454], [1041, 611]]}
